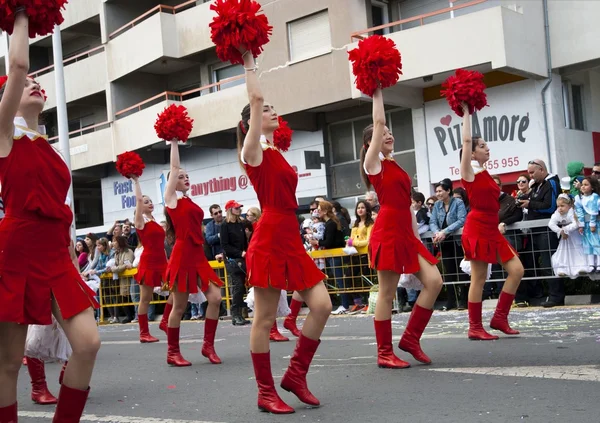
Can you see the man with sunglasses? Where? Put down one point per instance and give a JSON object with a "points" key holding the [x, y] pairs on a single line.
{"points": [[212, 231], [540, 205]]}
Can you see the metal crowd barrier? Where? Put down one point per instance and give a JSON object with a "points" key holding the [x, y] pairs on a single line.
{"points": [[350, 274]]}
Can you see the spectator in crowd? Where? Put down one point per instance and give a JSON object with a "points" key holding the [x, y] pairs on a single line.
{"points": [[333, 238], [169, 239], [596, 170], [461, 194], [586, 210], [253, 214], [343, 216], [574, 170], [320, 198], [430, 203], [81, 249], [213, 230], [447, 217], [359, 237], [420, 211], [523, 189], [90, 240], [371, 198], [116, 230], [541, 204], [130, 235], [123, 259], [375, 212], [235, 244]]}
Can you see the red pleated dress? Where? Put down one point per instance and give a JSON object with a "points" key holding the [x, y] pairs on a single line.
{"points": [[481, 238], [276, 257], [393, 245], [188, 265], [153, 262], [35, 264]]}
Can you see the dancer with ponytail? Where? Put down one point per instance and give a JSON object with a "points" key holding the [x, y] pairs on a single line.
{"points": [[395, 247], [35, 183], [188, 269], [481, 238], [153, 262], [276, 258]]}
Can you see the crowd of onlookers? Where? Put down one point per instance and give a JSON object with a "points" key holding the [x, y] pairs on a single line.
{"points": [[439, 219]]}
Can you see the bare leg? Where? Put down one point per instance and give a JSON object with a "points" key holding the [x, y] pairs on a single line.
{"points": [[146, 293], [388, 284], [319, 303], [82, 333], [180, 300], [12, 349], [265, 311], [478, 277]]}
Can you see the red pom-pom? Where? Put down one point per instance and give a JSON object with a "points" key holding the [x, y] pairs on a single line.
{"points": [[376, 63], [238, 24], [465, 87], [130, 164], [43, 15], [174, 124], [282, 136], [3, 79]]}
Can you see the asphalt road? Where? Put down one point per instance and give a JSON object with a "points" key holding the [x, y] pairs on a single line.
{"points": [[550, 373]]}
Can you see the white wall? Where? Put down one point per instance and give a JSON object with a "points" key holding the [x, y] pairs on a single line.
{"points": [[205, 167]]}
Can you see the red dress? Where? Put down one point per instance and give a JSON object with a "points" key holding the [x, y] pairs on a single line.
{"points": [[153, 262], [393, 244], [35, 264], [481, 239], [188, 262], [276, 256]]}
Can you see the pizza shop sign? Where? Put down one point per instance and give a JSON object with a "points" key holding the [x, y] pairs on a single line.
{"points": [[509, 125]]}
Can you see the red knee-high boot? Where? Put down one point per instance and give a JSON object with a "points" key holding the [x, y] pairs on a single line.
{"points": [[208, 346], [500, 319], [164, 322], [9, 414], [290, 321], [62, 372], [174, 357], [274, 334], [145, 336], [39, 389], [476, 330], [409, 342], [294, 379], [268, 399], [71, 403], [385, 353]]}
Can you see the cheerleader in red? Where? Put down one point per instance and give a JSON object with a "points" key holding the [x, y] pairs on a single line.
{"points": [[35, 182], [188, 269], [395, 247], [153, 262], [481, 239], [276, 258]]}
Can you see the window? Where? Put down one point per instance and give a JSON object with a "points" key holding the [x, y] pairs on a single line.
{"points": [[226, 72], [345, 143], [573, 106], [379, 16], [309, 36]]}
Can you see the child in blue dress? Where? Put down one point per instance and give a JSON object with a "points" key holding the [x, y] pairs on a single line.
{"points": [[586, 209]]}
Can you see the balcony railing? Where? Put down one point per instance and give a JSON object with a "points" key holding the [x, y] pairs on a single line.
{"points": [[161, 8], [174, 96], [359, 35], [85, 130], [72, 59]]}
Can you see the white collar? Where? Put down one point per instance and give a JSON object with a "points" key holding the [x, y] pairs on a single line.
{"points": [[20, 121], [264, 143], [476, 167], [389, 157]]}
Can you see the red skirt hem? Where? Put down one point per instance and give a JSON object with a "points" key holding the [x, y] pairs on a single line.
{"points": [[150, 277], [266, 271], [487, 250], [402, 259], [186, 280]]}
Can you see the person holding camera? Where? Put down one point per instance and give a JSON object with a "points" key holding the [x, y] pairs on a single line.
{"points": [[235, 243]]}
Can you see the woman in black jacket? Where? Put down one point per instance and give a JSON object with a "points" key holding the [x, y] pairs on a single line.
{"points": [[235, 243], [333, 238]]}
